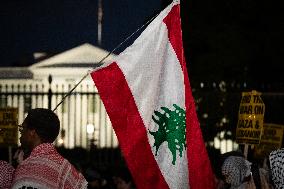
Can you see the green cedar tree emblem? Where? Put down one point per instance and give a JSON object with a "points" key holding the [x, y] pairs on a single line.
{"points": [[171, 129]]}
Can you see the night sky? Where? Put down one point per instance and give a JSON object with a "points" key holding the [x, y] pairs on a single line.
{"points": [[55, 26], [236, 40]]}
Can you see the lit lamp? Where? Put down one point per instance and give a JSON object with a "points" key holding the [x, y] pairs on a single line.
{"points": [[61, 139], [90, 131]]}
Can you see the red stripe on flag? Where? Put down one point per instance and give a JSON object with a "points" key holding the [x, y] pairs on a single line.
{"points": [[199, 167], [128, 126]]}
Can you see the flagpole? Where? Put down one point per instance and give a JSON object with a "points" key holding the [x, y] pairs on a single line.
{"points": [[100, 18], [89, 71]]}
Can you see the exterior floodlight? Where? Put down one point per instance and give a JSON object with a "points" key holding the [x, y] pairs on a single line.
{"points": [[90, 128], [60, 141]]}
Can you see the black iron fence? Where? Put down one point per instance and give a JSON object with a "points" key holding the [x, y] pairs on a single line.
{"points": [[85, 124], [84, 121], [217, 106]]}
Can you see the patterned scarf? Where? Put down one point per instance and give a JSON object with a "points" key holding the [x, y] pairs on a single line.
{"points": [[235, 169], [45, 168], [276, 159], [6, 175]]}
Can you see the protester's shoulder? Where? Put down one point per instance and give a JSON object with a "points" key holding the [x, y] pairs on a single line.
{"points": [[35, 164], [6, 174], [276, 156], [279, 152], [5, 166], [74, 176], [70, 167]]}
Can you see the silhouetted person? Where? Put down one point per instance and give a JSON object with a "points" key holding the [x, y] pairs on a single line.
{"points": [[44, 168]]}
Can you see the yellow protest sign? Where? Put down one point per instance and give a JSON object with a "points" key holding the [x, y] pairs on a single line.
{"points": [[271, 139], [8, 126], [250, 122]]}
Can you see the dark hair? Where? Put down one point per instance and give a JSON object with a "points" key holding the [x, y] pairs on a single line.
{"points": [[45, 122]]}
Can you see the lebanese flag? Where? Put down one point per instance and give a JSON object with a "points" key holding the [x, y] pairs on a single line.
{"points": [[147, 95]]}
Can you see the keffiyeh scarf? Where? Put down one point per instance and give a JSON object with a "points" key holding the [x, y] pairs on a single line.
{"points": [[6, 174], [276, 159], [45, 168], [235, 169]]}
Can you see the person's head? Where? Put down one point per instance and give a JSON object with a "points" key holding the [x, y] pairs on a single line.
{"points": [[40, 126], [94, 178], [235, 169], [123, 179], [276, 159]]}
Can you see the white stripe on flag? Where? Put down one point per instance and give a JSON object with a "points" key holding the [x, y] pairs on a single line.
{"points": [[156, 80]]}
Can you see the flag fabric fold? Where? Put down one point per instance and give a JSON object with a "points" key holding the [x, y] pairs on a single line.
{"points": [[147, 95]]}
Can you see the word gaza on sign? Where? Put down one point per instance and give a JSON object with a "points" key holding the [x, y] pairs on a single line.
{"points": [[250, 119], [271, 139], [8, 126]]}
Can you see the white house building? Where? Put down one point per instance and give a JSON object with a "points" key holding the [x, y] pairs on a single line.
{"points": [[44, 84]]}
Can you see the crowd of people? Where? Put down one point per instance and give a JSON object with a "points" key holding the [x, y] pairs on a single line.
{"points": [[41, 166], [239, 173]]}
